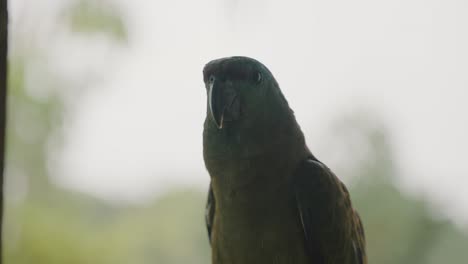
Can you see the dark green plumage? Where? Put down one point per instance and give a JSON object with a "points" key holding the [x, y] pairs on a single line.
{"points": [[270, 200]]}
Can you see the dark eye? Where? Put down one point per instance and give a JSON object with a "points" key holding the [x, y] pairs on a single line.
{"points": [[211, 79], [258, 77]]}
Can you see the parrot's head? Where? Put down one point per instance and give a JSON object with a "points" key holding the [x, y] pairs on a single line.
{"points": [[241, 92]]}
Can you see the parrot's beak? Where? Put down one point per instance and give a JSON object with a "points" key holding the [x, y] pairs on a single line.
{"points": [[223, 102]]}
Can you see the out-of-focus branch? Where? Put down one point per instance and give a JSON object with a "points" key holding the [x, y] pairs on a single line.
{"points": [[3, 96]]}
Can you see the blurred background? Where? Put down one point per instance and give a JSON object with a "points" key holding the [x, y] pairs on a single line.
{"points": [[106, 104]]}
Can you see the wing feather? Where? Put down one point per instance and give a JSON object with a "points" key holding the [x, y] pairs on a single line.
{"points": [[333, 231], [209, 212]]}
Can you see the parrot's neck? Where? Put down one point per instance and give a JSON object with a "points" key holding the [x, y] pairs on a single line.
{"points": [[255, 164]]}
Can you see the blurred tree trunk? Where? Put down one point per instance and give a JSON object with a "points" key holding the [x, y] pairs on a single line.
{"points": [[3, 93]]}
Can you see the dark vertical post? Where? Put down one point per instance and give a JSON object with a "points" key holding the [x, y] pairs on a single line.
{"points": [[3, 106]]}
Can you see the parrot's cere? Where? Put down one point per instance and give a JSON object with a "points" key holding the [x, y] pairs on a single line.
{"points": [[270, 200]]}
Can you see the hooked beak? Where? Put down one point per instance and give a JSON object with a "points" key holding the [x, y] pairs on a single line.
{"points": [[223, 103]]}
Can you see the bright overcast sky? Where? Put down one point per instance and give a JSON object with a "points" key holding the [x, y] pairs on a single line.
{"points": [[137, 130]]}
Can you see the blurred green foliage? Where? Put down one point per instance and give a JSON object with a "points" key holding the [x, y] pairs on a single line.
{"points": [[399, 228], [45, 224], [72, 231], [88, 16]]}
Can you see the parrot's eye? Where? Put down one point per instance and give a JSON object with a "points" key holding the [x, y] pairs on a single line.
{"points": [[258, 77], [211, 79]]}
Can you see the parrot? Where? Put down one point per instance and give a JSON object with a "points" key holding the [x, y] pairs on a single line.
{"points": [[270, 200]]}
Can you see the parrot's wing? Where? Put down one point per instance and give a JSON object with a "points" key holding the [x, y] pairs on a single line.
{"points": [[209, 212], [333, 231]]}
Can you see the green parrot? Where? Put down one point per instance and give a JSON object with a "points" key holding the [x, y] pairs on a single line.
{"points": [[270, 201]]}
